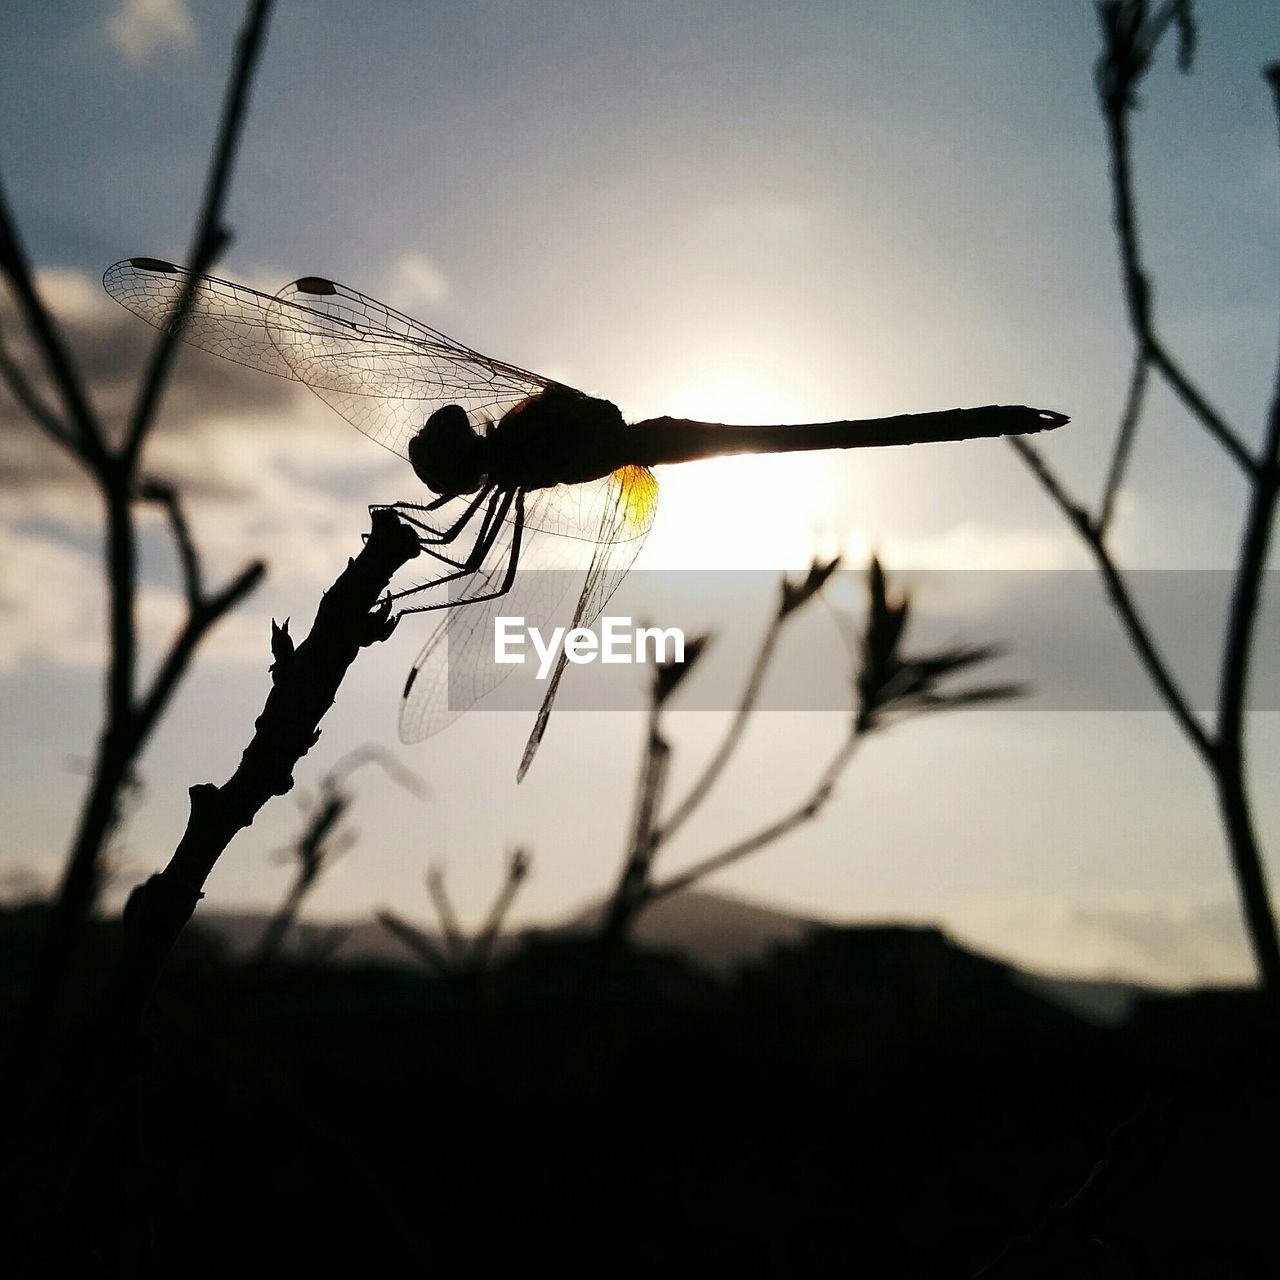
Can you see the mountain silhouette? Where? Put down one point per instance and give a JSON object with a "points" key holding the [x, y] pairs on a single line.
{"points": [[721, 934]]}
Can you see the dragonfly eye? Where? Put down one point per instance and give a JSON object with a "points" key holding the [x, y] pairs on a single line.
{"points": [[447, 455]]}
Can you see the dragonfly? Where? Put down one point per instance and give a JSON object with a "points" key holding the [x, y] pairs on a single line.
{"points": [[523, 472]]}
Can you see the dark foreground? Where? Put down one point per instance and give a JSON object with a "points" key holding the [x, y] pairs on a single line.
{"points": [[872, 1102]]}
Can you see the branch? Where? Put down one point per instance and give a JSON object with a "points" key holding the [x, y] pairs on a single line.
{"points": [[25, 394], [454, 938], [422, 946], [305, 681], [1254, 543], [517, 870], [1136, 628], [57, 359], [201, 616], [211, 237], [733, 735], [1124, 439], [793, 596], [167, 496], [806, 811], [1126, 64]]}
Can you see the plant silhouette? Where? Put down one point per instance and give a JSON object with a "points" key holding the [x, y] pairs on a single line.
{"points": [[1131, 34], [117, 469]]}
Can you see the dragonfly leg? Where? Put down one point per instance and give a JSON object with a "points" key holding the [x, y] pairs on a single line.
{"points": [[441, 537], [499, 505], [448, 535], [513, 560]]}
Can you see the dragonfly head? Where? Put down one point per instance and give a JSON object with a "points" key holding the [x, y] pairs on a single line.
{"points": [[447, 455]]}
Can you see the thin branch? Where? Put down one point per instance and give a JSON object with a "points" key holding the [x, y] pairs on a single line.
{"points": [[1190, 396], [25, 394], [305, 681], [482, 945], [633, 881], [1117, 102], [1122, 601], [454, 938], [1124, 439], [122, 574], [733, 735], [422, 946], [1254, 544], [806, 811], [199, 620], [57, 359], [167, 496], [211, 237], [388, 762]]}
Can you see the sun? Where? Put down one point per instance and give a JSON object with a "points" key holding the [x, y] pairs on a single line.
{"points": [[751, 512]]}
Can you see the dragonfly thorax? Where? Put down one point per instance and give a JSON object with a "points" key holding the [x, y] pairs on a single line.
{"points": [[558, 436], [447, 455]]}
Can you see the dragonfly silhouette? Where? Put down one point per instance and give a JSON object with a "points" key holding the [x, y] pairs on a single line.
{"points": [[524, 471]]}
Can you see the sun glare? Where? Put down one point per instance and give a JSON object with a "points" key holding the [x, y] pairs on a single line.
{"points": [[748, 512]]}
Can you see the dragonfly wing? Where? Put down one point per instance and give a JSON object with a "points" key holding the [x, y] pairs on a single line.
{"points": [[456, 667], [620, 535], [226, 319], [383, 371]]}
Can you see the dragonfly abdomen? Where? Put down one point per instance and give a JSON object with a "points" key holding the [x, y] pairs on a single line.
{"points": [[665, 440]]}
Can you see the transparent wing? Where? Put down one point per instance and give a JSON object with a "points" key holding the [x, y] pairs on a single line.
{"points": [[383, 371], [559, 580]]}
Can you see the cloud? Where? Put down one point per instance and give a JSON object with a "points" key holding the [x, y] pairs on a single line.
{"points": [[110, 348], [265, 470], [52, 591], [417, 283], [1171, 941], [142, 28], [972, 545]]}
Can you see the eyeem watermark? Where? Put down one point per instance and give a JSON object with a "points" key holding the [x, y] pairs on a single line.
{"points": [[616, 641]]}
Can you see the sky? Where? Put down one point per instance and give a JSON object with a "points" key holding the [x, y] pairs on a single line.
{"points": [[742, 211]]}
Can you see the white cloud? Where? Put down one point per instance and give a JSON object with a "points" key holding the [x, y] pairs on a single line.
{"points": [[141, 28], [50, 603], [1167, 939], [73, 296], [974, 546], [417, 283]]}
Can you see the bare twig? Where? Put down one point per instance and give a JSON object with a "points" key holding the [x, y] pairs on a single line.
{"points": [[129, 716], [1254, 543], [518, 866], [1130, 36], [1130, 41], [806, 811], [791, 598], [87, 437], [210, 237], [322, 841], [455, 939], [25, 394], [305, 682], [460, 960], [889, 685], [1137, 630], [1124, 441], [167, 496], [630, 894], [733, 735], [422, 945]]}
